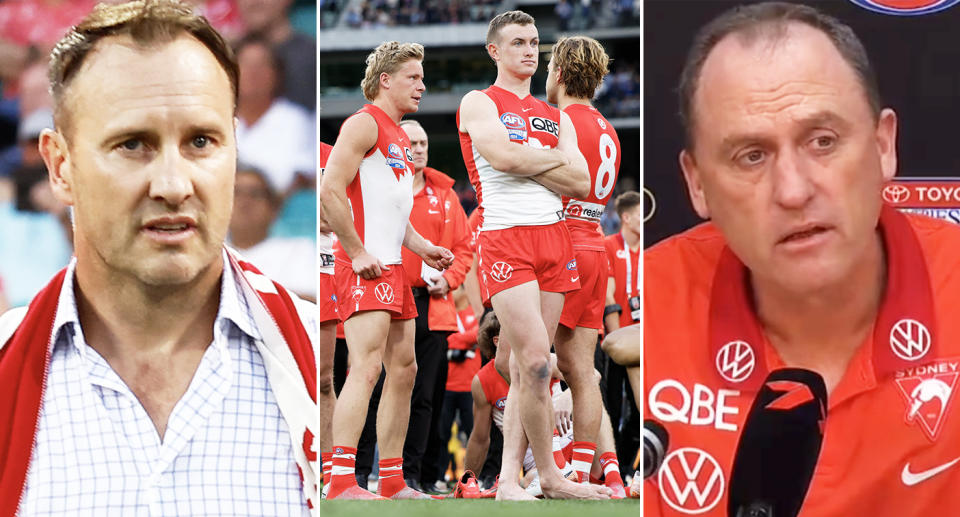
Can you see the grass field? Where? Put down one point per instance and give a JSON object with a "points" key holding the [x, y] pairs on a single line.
{"points": [[484, 508]]}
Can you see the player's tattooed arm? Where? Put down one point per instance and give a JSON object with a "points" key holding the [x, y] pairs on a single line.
{"points": [[479, 118]]}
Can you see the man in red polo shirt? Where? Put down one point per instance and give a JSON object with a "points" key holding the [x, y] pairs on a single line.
{"points": [[802, 265]]}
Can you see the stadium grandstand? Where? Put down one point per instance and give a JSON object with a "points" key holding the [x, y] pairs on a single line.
{"points": [[456, 62]]}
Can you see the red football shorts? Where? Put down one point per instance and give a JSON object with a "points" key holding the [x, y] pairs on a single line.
{"points": [[584, 307], [389, 292], [518, 255], [327, 299]]}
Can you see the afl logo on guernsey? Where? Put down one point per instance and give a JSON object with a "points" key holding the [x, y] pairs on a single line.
{"points": [[515, 124], [906, 7], [501, 403], [395, 157]]}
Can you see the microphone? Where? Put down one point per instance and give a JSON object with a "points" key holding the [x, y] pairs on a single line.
{"points": [[655, 442], [779, 446]]}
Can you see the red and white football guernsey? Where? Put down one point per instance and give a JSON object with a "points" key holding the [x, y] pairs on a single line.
{"points": [[327, 293], [381, 194], [600, 146], [522, 235], [508, 200], [891, 444]]}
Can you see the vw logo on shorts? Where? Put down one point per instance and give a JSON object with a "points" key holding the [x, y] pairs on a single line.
{"points": [[501, 271], [384, 293]]}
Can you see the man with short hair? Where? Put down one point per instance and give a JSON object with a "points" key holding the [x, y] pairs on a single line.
{"points": [[802, 265], [367, 196], [521, 155], [154, 371], [576, 68]]}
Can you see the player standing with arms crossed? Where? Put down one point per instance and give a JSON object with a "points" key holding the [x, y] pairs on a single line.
{"points": [[367, 194], [520, 152]]}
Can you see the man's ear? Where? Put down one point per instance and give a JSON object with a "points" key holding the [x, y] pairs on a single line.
{"points": [[887, 143], [56, 156], [493, 51], [384, 81], [691, 173]]}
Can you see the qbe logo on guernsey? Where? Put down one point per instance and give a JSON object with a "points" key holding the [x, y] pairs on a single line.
{"points": [[906, 7]]}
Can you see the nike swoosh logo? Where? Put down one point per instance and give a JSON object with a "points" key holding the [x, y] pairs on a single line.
{"points": [[526, 109], [433, 211], [910, 479], [578, 278]]}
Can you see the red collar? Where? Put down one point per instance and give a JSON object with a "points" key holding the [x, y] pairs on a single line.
{"points": [[903, 333]]}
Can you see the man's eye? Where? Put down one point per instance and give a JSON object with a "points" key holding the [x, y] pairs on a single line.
{"points": [[132, 144], [751, 157], [823, 142], [200, 141]]}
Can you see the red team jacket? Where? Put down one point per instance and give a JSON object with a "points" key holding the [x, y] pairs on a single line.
{"points": [[439, 218], [890, 446], [621, 260]]}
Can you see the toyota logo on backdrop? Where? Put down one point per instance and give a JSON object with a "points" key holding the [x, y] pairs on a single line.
{"points": [[895, 194]]}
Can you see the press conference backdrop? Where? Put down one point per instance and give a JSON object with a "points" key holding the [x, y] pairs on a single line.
{"points": [[916, 58]]}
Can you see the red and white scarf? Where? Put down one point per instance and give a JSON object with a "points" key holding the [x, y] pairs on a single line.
{"points": [[26, 343]]}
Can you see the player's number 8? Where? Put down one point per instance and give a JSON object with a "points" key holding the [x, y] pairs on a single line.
{"points": [[607, 172]]}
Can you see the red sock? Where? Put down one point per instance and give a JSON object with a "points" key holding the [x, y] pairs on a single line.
{"points": [[558, 451], [391, 477], [326, 458], [582, 459], [342, 471], [611, 469]]}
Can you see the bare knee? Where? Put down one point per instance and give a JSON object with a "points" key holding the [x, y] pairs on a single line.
{"points": [[576, 373], [404, 373], [367, 367], [535, 367]]}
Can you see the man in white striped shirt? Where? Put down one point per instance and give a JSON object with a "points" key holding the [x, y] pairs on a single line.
{"points": [[177, 380]]}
